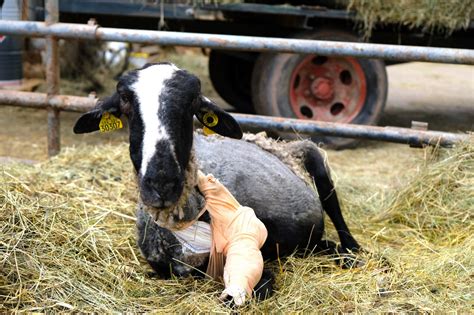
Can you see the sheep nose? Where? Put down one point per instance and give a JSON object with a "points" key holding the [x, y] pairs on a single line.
{"points": [[160, 192], [151, 195], [152, 200]]}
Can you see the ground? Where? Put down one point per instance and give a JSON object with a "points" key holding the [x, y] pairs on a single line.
{"points": [[68, 240], [440, 94]]}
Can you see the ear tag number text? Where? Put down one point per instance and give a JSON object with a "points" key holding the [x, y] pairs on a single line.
{"points": [[109, 123]]}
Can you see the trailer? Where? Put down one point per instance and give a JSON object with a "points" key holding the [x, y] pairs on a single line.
{"points": [[326, 88]]}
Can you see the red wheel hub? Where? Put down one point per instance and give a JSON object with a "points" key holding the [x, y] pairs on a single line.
{"points": [[328, 88], [322, 88]]}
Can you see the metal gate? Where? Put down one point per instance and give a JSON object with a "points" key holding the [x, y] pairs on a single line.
{"points": [[55, 103]]}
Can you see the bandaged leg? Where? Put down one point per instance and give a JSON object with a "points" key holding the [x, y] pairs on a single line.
{"points": [[237, 236], [244, 262]]}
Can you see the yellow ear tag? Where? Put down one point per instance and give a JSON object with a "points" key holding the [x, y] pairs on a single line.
{"points": [[210, 119], [207, 131], [109, 123]]}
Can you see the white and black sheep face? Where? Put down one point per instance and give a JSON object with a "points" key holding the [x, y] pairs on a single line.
{"points": [[160, 101]]}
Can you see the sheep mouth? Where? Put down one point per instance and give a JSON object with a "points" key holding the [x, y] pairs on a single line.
{"points": [[160, 206], [180, 215], [168, 217]]}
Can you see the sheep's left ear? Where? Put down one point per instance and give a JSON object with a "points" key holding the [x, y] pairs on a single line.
{"points": [[216, 119], [89, 122]]}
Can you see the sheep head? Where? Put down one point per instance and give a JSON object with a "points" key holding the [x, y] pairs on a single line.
{"points": [[160, 101]]}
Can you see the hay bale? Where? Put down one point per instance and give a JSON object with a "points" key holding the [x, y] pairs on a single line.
{"points": [[428, 15], [68, 243]]}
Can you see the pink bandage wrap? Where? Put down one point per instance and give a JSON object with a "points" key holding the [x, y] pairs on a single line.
{"points": [[237, 236]]}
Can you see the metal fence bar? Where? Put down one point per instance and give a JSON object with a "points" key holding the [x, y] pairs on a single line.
{"points": [[54, 103], [257, 123], [43, 101], [52, 78], [388, 134], [232, 42]]}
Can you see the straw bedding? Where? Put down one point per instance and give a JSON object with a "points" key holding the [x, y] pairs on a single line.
{"points": [[428, 15], [67, 241]]}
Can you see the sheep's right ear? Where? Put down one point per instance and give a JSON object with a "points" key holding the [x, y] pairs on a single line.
{"points": [[89, 122], [216, 119]]}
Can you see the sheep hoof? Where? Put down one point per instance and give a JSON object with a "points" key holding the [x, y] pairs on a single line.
{"points": [[264, 288], [347, 260]]}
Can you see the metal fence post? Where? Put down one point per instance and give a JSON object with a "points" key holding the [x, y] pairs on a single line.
{"points": [[52, 78]]}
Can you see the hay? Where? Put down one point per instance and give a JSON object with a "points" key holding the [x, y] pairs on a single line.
{"points": [[68, 243], [444, 16]]}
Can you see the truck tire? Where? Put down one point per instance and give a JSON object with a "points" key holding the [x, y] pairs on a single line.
{"points": [[322, 88], [231, 75]]}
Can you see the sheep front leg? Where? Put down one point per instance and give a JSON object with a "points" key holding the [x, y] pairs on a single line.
{"points": [[164, 252]]}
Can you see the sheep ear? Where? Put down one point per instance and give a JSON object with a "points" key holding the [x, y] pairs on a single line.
{"points": [[216, 119], [89, 122]]}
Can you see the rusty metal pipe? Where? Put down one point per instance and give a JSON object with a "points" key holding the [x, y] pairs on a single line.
{"points": [[52, 78], [42, 101], [232, 42], [257, 123]]}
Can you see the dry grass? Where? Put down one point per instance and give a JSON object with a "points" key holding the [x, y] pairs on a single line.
{"points": [[428, 15], [67, 239]]}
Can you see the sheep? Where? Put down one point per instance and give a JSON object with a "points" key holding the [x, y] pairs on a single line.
{"points": [[276, 179]]}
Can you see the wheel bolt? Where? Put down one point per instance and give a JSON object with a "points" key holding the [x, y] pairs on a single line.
{"points": [[312, 77]]}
